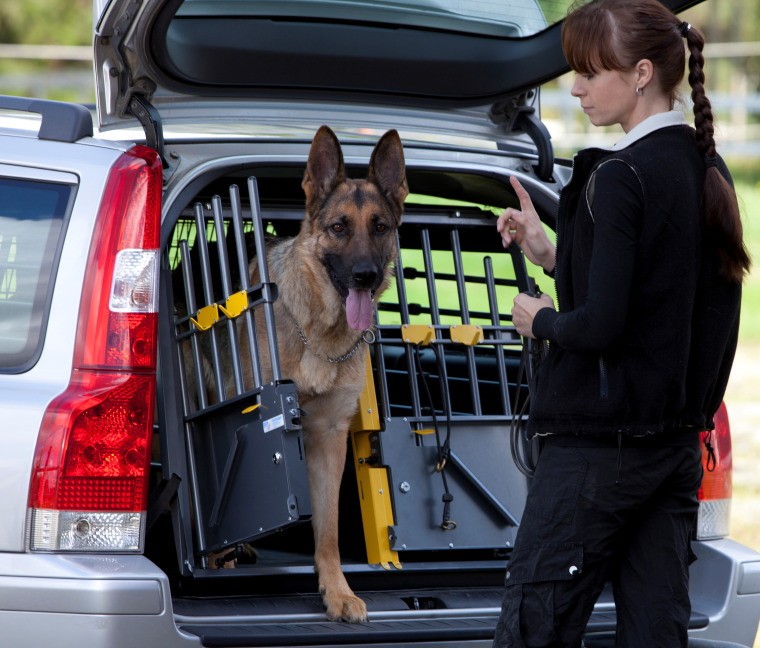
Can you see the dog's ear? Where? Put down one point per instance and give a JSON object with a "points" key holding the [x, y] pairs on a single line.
{"points": [[325, 168], [388, 170]]}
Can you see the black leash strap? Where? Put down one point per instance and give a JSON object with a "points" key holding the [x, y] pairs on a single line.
{"points": [[531, 357], [444, 449]]}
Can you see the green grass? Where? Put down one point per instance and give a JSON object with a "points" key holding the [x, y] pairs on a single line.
{"points": [[749, 201]]}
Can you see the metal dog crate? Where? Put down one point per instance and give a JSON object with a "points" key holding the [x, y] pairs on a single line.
{"points": [[438, 438]]}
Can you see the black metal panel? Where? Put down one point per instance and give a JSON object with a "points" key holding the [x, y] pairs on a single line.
{"points": [[250, 469], [488, 492]]}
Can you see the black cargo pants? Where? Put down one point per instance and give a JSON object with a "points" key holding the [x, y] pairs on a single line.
{"points": [[623, 513]]}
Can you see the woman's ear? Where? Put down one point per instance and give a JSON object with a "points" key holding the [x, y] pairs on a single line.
{"points": [[644, 73]]}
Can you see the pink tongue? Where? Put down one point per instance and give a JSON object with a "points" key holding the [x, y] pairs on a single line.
{"points": [[359, 309]]}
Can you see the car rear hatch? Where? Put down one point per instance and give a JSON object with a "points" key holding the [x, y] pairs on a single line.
{"points": [[257, 67], [445, 76]]}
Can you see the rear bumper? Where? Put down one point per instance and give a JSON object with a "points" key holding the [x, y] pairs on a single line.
{"points": [[106, 601], [725, 586], [123, 601]]}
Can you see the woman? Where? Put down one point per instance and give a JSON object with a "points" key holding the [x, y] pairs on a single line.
{"points": [[648, 270]]}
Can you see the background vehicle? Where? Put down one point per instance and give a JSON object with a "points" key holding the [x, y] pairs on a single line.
{"points": [[132, 484]]}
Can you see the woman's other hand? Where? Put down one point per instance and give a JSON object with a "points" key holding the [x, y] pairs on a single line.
{"points": [[524, 311]]}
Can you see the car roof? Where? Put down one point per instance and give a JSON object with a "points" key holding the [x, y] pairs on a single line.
{"points": [[425, 54]]}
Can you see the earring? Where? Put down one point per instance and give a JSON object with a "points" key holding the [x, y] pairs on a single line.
{"points": [[640, 91]]}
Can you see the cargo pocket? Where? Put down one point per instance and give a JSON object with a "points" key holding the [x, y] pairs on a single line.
{"points": [[550, 561], [534, 574]]}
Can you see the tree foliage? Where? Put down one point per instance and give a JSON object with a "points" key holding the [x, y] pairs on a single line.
{"points": [[730, 21], [69, 22], [48, 22]]}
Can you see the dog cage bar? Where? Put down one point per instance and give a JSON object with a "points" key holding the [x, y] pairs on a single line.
{"points": [[456, 250], [195, 493], [267, 289], [381, 383], [188, 281], [224, 273], [245, 283], [208, 295], [191, 306], [427, 257], [408, 351], [498, 349], [435, 315]]}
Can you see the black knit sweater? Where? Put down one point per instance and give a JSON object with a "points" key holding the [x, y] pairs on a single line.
{"points": [[646, 330]]}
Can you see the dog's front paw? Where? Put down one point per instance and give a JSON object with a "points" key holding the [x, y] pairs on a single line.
{"points": [[346, 607]]}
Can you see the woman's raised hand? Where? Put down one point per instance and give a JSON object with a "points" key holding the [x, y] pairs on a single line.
{"points": [[523, 227]]}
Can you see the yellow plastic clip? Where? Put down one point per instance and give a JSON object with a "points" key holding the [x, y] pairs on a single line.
{"points": [[467, 334], [425, 431], [251, 408], [206, 317], [235, 305], [421, 334]]}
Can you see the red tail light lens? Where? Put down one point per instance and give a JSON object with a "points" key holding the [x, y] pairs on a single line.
{"points": [[716, 489], [117, 317], [90, 474], [95, 444]]}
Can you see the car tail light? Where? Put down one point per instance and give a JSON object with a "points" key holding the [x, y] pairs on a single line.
{"points": [[92, 460], [715, 491]]}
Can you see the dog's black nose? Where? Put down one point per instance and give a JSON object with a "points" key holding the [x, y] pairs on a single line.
{"points": [[364, 274]]}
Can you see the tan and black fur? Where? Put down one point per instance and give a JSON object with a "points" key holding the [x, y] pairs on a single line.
{"points": [[327, 276]]}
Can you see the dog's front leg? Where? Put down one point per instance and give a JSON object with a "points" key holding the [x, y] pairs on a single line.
{"points": [[325, 459]]}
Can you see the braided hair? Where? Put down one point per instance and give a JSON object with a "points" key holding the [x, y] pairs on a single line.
{"points": [[721, 209], [615, 35]]}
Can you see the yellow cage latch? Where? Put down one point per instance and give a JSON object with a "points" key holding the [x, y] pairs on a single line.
{"points": [[467, 334]]}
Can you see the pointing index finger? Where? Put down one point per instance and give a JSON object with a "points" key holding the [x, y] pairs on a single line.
{"points": [[525, 202]]}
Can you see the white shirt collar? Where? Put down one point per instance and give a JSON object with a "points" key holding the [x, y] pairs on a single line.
{"points": [[649, 125]]}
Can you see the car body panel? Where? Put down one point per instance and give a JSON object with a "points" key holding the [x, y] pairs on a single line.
{"points": [[25, 396], [210, 134]]}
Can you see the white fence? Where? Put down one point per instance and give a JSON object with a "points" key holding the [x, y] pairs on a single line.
{"points": [[737, 110]]}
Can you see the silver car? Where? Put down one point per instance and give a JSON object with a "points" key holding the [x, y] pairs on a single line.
{"points": [[120, 490]]}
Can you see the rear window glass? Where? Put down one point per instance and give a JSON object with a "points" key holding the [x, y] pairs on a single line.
{"points": [[511, 18], [32, 215]]}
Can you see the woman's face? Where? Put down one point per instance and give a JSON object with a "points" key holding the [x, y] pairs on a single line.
{"points": [[608, 97]]}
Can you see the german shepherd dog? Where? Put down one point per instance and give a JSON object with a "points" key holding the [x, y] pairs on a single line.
{"points": [[328, 276]]}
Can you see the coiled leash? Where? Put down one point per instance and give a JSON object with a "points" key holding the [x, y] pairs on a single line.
{"points": [[532, 355], [444, 449]]}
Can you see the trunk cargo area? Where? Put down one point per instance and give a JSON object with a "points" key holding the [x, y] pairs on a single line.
{"points": [[445, 368]]}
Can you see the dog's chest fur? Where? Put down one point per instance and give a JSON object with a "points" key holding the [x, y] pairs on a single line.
{"points": [[307, 297]]}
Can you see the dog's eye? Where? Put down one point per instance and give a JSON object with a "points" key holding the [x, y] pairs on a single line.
{"points": [[381, 228], [338, 228]]}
